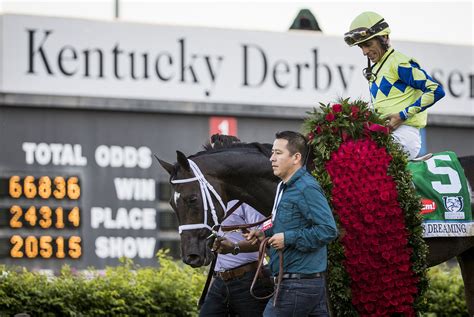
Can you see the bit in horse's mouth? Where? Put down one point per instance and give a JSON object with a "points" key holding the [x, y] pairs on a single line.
{"points": [[208, 259], [209, 255]]}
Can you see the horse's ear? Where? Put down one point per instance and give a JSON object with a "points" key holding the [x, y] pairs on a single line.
{"points": [[167, 166], [183, 161]]}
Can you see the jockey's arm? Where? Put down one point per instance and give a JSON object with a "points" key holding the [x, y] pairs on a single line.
{"points": [[431, 91]]}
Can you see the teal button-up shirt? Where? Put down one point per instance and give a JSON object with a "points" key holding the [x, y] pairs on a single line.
{"points": [[306, 220]]}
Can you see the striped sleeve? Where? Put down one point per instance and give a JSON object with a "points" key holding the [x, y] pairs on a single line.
{"points": [[414, 76]]}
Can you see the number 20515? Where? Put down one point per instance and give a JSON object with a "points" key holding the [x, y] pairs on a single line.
{"points": [[45, 247]]}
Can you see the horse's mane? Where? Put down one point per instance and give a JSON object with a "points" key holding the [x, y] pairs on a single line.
{"points": [[241, 147], [264, 148]]}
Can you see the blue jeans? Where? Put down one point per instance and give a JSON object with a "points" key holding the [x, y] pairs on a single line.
{"points": [[298, 298], [232, 298]]}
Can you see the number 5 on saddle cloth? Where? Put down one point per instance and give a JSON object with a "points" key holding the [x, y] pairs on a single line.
{"points": [[442, 185]]}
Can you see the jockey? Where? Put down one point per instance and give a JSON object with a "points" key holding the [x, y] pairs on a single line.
{"points": [[400, 89]]}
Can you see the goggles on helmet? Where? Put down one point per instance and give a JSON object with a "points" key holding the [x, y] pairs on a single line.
{"points": [[362, 34]]}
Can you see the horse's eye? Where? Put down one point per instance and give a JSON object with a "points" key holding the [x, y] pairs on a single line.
{"points": [[192, 199]]}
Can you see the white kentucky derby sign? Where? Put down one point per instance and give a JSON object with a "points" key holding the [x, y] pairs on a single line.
{"points": [[77, 57]]}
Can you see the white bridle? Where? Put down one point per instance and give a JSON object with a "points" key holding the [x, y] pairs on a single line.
{"points": [[206, 190]]}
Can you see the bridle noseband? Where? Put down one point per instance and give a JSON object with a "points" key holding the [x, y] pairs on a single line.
{"points": [[206, 190]]}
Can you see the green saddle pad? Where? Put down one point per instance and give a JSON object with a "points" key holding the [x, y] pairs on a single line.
{"points": [[441, 183]]}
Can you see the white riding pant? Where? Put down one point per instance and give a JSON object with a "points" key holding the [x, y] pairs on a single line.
{"points": [[409, 138]]}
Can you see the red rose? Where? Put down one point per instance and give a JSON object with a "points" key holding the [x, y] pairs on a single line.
{"points": [[369, 307], [337, 107], [404, 268], [364, 199], [310, 136], [368, 218], [372, 296], [319, 130], [395, 302], [405, 257], [358, 226], [388, 294], [381, 311], [330, 117], [413, 289], [364, 298], [374, 127], [355, 112], [370, 208], [385, 196], [365, 276], [356, 277], [386, 278], [345, 136], [376, 265]]}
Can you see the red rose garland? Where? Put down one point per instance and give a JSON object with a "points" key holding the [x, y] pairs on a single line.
{"points": [[377, 266], [375, 241]]}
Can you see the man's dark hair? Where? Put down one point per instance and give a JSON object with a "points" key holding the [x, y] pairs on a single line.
{"points": [[383, 40], [222, 141], [296, 143]]}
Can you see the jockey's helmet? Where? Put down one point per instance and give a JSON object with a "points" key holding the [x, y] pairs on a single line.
{"points": [[366, 26]]}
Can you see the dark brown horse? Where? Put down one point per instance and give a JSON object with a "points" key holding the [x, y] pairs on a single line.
{"points": [[243, 172]]}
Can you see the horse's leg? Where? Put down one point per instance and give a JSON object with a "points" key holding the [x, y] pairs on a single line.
{"points": [[466, 262]]}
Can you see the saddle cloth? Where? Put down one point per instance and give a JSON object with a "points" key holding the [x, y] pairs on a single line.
{"points": [[446, 200]]}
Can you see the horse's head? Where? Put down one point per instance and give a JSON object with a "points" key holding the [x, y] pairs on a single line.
{"points": [[198, 208], [238, 171]]}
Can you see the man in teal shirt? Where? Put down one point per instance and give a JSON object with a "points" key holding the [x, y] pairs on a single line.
{"points": [[302, 226]]}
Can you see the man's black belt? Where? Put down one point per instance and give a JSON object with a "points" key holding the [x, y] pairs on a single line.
{"points": [[300, 276]]}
